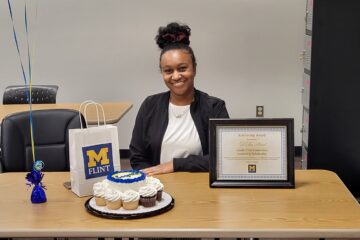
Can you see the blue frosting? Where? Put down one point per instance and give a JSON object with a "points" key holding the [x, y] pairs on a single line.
{"points": [[141, 177]]}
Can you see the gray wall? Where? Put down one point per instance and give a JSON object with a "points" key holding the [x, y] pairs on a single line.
{"points": [[248, 52]]}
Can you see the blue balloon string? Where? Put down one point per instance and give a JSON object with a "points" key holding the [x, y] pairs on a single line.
{"points": [[16, 42], [28, 93], [35, 176], [27, 41]]}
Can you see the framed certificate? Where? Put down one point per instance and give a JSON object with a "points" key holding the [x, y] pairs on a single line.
{"points": [[252, 153]]}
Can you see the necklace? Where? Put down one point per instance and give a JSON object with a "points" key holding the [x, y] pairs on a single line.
{"points": [[179, 111]]}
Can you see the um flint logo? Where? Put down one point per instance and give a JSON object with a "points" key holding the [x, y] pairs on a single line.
{"points": [[98, 160], [251, 168]]}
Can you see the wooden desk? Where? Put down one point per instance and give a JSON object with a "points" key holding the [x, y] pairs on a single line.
{"points": [[319, 206], [113, 111]]}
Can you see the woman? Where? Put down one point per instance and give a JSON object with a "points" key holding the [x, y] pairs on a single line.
{"points": [[171, 128]]}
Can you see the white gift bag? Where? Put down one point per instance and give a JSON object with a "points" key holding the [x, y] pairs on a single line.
{"points": [[94, 152]]}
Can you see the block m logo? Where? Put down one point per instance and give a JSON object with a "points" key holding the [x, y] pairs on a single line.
{"points": [[251, 168], [101, 157], [98, 160]]}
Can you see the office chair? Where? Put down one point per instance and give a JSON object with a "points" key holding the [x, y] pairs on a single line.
{"points": [[39, 94], [50, 139], [17, 94]]}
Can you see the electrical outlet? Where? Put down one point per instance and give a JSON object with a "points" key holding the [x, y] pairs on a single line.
{"points": [[259, 111]]}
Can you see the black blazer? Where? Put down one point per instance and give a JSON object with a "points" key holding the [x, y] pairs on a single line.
{"points": [[151, 123]]}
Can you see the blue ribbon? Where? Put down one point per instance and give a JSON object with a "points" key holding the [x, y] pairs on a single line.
{"points": [[28, 93], [35, 176], [16, 42]]}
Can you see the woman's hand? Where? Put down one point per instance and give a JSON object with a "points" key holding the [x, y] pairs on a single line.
{"points": [[167, 167]]}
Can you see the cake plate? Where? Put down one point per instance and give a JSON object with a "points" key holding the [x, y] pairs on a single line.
{"points": [[165, 204]]}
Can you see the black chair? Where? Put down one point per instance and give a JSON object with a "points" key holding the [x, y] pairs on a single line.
{"points": [[17, 94], [39, 94], [50, 139]]}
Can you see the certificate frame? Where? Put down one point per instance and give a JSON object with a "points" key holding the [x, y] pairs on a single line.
{"points": [[273, 142]]}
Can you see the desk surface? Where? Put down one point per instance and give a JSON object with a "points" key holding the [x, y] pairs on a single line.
{"points": [[319, 206], [113, 111]]}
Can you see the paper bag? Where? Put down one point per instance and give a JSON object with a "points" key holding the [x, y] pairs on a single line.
{"points": [[94, 152]]}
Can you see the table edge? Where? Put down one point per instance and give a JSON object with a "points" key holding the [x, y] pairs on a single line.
{"points": [[190, 233]]}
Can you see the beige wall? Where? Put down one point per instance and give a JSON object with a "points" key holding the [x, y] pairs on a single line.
{"points": [[248, 51]]}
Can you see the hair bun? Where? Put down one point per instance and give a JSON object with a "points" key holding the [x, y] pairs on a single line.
{"points": [[173, 33]]}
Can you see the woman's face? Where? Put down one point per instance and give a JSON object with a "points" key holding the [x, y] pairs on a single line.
{"points": [[178, 72]]}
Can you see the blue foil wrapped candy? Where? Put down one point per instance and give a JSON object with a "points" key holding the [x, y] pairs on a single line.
{"points": [[34, 178]]}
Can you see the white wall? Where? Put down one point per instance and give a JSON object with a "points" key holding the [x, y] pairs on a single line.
{"points": [[248, 51]]}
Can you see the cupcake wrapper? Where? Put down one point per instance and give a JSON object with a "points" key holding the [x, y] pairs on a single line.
{"points": [[100, 201], [159, 195], [148, 201], [113, 205], [131, 205]]}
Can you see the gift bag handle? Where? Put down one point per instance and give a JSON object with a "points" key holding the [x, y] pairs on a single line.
{"points": [[91, 102], [86, 104], [97, 112]]}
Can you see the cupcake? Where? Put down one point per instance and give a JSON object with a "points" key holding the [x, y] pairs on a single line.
{"points": [[99, 193], [130, 200], [113, 199], [148, 196], [150, 179], [157, 185]]}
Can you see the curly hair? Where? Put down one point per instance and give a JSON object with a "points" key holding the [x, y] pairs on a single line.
{"points": [[175, 36]]}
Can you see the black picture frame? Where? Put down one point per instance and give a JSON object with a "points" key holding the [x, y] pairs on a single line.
{"points": [[250, 180]]}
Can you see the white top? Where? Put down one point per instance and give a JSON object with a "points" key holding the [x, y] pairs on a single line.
{"points": [[181, 138]]}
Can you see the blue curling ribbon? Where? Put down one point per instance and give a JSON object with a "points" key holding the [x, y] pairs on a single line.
{"points": [[17, 44], [34, 178], [27, 83]]}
